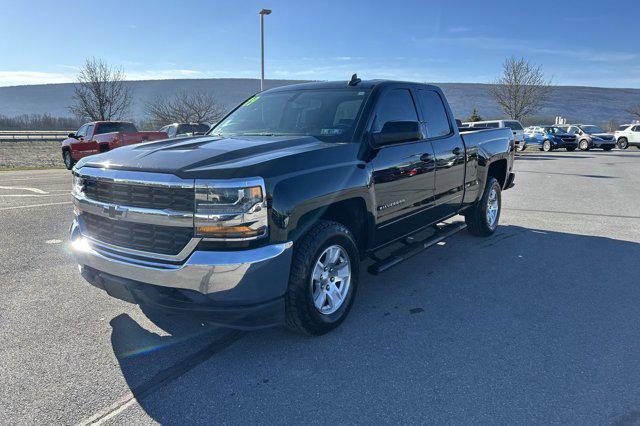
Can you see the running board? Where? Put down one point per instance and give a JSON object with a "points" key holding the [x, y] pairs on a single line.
{"points": [[412, 248]]}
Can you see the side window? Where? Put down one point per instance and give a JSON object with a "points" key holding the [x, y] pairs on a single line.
{"points": [[395, 105], [492, 125], [636, 129], [89, 132], [435, 114], [82, 131]]}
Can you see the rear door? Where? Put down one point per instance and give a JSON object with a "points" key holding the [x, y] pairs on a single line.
{"points": [[450, 155], [404, 173]]}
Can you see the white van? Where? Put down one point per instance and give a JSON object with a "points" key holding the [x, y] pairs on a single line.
{"points": [[518, 131]]}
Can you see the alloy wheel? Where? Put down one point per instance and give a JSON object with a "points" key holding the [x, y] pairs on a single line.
{"points": [[493, 206], [331, 279]]}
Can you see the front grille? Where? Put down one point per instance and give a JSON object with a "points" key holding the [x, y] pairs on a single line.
{"points": [[144, 196], [137, 236]]}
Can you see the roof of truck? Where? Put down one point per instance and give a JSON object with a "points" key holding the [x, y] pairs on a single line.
{"points": [[343, 84]]}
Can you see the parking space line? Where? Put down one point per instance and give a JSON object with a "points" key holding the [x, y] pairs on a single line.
{"points": [[22, 188], [35, 205], [31, 195], [163, 377]]}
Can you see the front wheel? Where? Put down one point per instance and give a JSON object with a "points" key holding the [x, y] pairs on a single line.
{"points": [[68, 159], [546, 146], [323, 279], [623, 143], [482, 219], [583, 145]]}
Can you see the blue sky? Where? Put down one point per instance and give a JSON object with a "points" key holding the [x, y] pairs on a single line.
{"points": [[593, 43]]}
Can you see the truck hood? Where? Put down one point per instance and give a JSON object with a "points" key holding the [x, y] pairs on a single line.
{"points": [[222, 158]]}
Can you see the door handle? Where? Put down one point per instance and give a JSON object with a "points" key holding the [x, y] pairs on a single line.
{"points": [[456, 151]]}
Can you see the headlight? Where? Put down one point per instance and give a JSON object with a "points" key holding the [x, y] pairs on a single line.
{"points": [[78, 184], [231, 209]]}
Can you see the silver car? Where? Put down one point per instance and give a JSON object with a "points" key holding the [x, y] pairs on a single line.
{"points": [[590, 136]]}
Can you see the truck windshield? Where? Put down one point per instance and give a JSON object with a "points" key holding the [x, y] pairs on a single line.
{"points": [[329, 115], [115, 127]]}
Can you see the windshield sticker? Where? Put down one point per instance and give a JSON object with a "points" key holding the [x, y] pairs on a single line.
{"points": [[331, 132], [252, 100]]}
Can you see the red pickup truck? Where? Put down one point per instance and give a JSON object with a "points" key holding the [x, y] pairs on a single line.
{"points": [[101, 136]]}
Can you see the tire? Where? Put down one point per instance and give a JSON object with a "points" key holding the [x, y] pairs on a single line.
{"points": [[521, 147], [69, 162], [623, 143], [583, 145], [546, 146], [301, 312], [477, 218], [571, 148]]}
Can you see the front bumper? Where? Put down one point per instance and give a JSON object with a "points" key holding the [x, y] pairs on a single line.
{"points": [[221, 283], [559, 143], [603, 143]]}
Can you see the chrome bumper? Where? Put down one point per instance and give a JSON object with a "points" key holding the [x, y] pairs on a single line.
{"points": [[247, 276]]}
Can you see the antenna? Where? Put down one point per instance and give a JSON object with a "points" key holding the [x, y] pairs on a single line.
{"points": [[354, 80]]}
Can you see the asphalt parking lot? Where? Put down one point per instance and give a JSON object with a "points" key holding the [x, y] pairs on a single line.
{"points": [[537, 324]]}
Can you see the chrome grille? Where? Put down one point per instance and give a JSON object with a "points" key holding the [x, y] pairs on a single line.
{"points": [[137, 236], [135, 195]]}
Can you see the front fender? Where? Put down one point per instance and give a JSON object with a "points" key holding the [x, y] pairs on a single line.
{"points": [[294, 196]]}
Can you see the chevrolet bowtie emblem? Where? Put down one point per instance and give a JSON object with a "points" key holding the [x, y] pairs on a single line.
{"points": [[115, 212]]}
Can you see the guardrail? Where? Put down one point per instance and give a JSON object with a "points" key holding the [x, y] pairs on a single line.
{"points": [[33, 135]]}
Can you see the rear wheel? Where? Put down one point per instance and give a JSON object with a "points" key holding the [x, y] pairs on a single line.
{"points": [[521, 147], [68, 159], [546, 146], [623, 143], [482, 220], [323, 279], [583, 145]]}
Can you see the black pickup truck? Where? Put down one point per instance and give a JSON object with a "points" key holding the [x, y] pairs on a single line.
{"points": [[265, 219]]}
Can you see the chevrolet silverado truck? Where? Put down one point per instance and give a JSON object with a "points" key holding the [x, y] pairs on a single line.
{"points": [[101, 136], [266, 219]]}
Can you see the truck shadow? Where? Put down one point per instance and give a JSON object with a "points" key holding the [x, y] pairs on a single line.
{"points": [[493, 325]]}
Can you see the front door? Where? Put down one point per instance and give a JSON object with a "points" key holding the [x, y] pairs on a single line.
{"points": [[403, 174], [634, 135]]}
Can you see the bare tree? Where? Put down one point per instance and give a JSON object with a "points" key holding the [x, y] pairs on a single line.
{"points": [[101, 93], [634, 111], [185, 107], [521, 89]]}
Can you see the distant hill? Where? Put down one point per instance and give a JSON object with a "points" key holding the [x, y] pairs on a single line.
{"points": [[578, 104]]}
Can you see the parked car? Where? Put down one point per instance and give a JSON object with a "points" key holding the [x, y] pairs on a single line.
{"points": [[185, 129], [101, 136], [590, 136], [266, 220], [514, 125], [548, 138], [628, 135]]}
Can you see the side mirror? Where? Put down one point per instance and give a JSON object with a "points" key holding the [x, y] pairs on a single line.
{"points": [[72, 135], [397, 131]]}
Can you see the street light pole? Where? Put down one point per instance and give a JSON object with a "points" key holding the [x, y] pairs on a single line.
{"points": [[262, 13]]}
